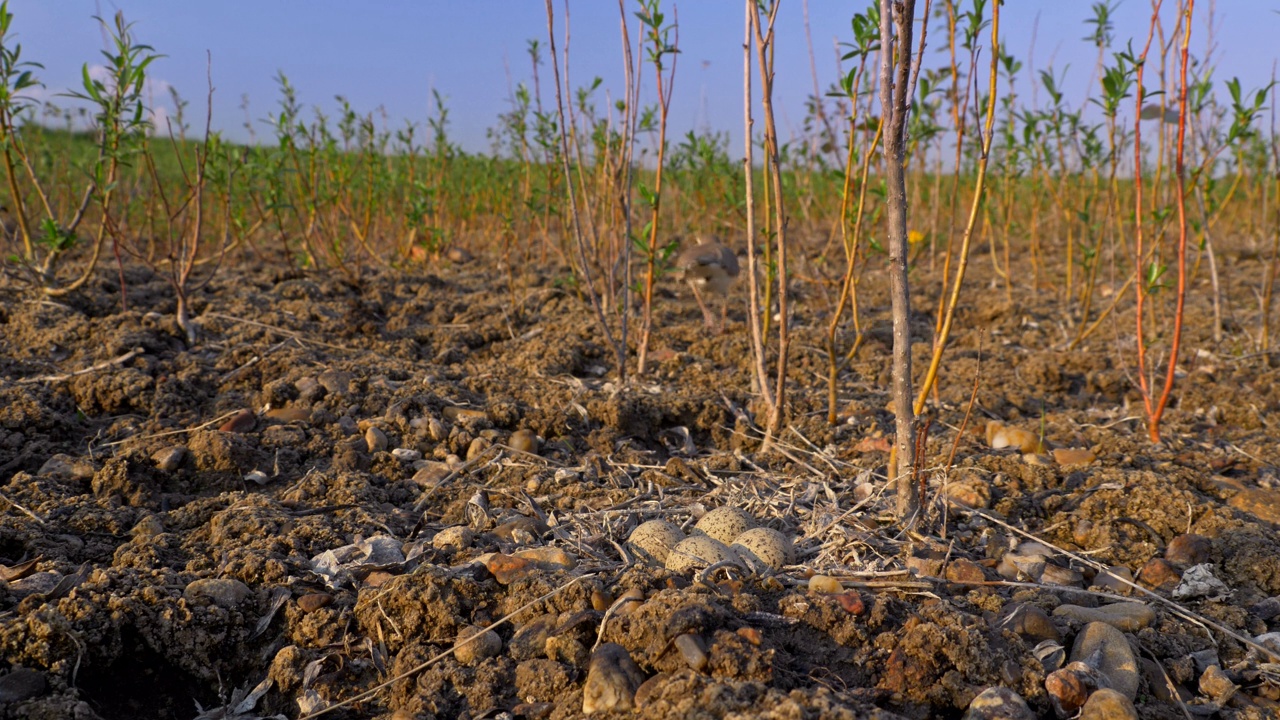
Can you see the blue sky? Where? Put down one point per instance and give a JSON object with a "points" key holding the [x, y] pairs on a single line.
{"points": [[391, 53]]}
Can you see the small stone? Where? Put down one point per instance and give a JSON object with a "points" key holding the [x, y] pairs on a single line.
{"points": [[1266, 609], [375, 439], [170, 458], [567, 649], [972, 493], [530, 640], [1081, 532], [1001, 436], [998, 703], [645, 693], [522, 530], [348, 426], [242, 422], [1037, 459], [312, 602], [1073, 456], [824, 585], [1159, 574], [477, 448], [455, 538], [1188, 549], [464, 415], [506, 569], [1124, 616], [1030, 622], [378, 578], [698, 551], [1108, 704], [1116, 579], [1215, 684], [612, 680], [601, 600], [22, 684], [1263, 503], [724, 523], [751, 635], [1070, 687], [963, 570], [525, 441], [851, 602], [309, 388], [335, 381], [693, 650], [764, 548], [475, 645], [1116, 660], [289, 414], [431, 474], [224, 592], [652, 540], [628, 602], [257, 477], [924, 566], [549, 558], [1199, 582], [407, 455]]}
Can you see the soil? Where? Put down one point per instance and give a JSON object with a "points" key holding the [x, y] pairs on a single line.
{"points": [[174, 558]]}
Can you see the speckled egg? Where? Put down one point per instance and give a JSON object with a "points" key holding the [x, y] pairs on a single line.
{"points": [[698, 551], [653, 540], [725, 523], [765, 547]]}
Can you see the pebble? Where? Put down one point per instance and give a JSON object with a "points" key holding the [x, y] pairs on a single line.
{"points": [[472, 652], [693, 650], [1108, 704], [963, 570], [1057, 575], [1073, 456], [1070, 687], [375, 439], [22, 684], [567, 649], [1001, 436], [1037, 459], [1215, 684], [612, 680], [456, 538], [971, 494], [628, 602], [1266, 609], [335, 381], [312, 602], [406, 454], [224, 592], [1188, 549], [477, 448], [1116, 579], [431, 474], [522, 530], [289, 414], [824, 585], [698, 551], [525, 441], [725, 523], [1115, 658], [530, 640], [751, 635], [67, 466], [601, 600], [1031, 623], [464, 415], [170, 458], [998, 703], [764, 548], [1159, 574], [1124, 616], [348, 426], [242, 422]]}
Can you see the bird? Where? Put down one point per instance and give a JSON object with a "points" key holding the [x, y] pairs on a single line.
{"points": [[712, 265]]}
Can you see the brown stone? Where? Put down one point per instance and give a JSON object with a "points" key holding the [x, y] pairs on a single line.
{"points": [[612, 680], [851, 602], [314, 601], [1073, 456], [1159, 574], [1188, 549], [242, 422], [962, 570], [1108, 704], [289, 414]]}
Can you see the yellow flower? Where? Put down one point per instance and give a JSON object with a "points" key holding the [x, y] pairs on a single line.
{"points": [[915, 237]]}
